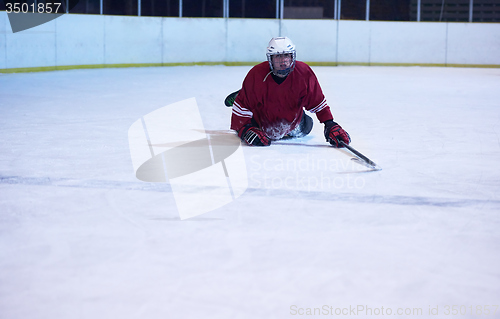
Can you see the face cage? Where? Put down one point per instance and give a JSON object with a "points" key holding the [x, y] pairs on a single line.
{"points": [[286, 71]]}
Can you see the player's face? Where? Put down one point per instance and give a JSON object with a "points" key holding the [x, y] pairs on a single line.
{"points": [[282, 61]]}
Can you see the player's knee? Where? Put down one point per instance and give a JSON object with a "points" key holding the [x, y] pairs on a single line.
{"points": [[307, 125]]}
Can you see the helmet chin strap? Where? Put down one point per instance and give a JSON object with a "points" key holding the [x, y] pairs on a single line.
{"points": [[282, 73], [282, 76]]}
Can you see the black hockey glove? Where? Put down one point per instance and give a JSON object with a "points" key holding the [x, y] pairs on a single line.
{"points": [[253, 136], [335, 133]]}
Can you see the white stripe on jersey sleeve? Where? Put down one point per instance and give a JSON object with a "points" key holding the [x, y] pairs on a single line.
{"points": [[241, 111], [319, 107]]}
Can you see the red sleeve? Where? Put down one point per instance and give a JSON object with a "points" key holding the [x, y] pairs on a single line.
{"points": [[242, 115], [315, 101]]}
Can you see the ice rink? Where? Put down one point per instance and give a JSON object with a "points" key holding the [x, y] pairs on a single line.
{"points": [[82, 237]]}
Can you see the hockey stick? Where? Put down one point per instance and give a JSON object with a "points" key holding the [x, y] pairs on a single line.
{"points": [[363, 159], [360, 158]]}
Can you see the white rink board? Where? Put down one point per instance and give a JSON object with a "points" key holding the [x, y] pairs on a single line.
{"points": [[353, 39], [247, 39], [133, 40], [473, 43], [400, 42], [34, 47], [80, 40], [320, 44], [194, 40], [94, 39], [3, 38]]}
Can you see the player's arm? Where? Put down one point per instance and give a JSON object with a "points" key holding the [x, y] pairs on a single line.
{"points": [[241, 122], [333, 131]]}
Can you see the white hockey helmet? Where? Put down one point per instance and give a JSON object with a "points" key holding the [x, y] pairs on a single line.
{"points": [[281, 45]]}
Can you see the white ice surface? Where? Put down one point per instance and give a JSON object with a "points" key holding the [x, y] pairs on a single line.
{"points": [[81, 237]]}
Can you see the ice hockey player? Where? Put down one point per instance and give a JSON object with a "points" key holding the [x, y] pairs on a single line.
{"points": [[270, 105]]}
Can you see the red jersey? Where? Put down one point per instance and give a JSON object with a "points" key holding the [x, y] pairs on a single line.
{"points": [[278, 108]]}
